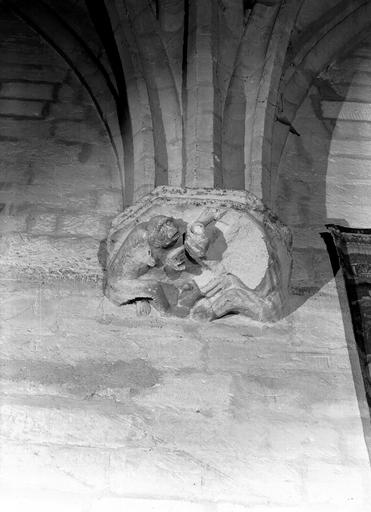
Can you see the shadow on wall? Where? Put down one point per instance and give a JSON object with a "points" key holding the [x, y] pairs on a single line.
{"points": [[311, 175], [325, 179], [354, 250], [355, 302]]}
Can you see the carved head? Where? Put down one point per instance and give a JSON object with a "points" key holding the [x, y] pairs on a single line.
{"points": [[197, 241], [143, 255], [163, 231]]}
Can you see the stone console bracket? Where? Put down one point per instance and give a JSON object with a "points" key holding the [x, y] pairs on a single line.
{"points": [[201, 253]]}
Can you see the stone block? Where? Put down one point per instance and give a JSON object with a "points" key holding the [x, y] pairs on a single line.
{"points": [[294, 440], [354, 63], [228, 356], [20, 498], [354, 445], [271, 396], [82, 225], [21, 108], [336, 410], [308, 237], [66, 426], [68, 111], [19, 309], [232, 507], [348, 111], [24, 129], [53, 467], [348, 170], [79, 131], [269, 481], [166, 347], [334, 484], [155, 471], [190, 392], [109, 201], [43, 223], [26, 54], [353, 131], [350, 92], [41, 254], [318, 328], [30, 197], [13, 223], [302, 272], [27, 90], [339, 74], [147, 505], [47, 73], [355, 148], [69, 94]]}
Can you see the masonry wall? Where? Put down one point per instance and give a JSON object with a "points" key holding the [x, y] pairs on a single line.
{"points": [[325, 173], [60, 182], [102, 410]]}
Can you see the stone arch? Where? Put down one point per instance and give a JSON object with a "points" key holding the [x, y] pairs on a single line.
{"points": [[147, 67], [85, 65], [291, 79], [258, 67], [262, 98], [323, 175], [60, 179]]}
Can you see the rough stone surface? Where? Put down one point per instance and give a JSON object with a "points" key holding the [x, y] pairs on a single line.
{"points": [[60, 183], [325, 173], [168, 414], [102, 410], [233, 228]]}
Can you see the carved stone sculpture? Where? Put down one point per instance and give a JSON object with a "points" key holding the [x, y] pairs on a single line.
{"points": [[199, 253]]}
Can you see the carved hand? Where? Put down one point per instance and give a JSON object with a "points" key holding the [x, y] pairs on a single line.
{"points": [[196, 241], [175, 259], [210, 284], [210, 214]]}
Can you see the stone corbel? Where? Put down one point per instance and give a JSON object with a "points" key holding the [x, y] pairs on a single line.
{"points": [[199, 253]]}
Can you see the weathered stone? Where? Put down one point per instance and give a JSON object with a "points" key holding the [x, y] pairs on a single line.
{"points": [[60, 256], [232, 416], [79, 131], [109, 201], [27, 90], [147, 505], [195, 392], [219, 229], [14, 223], [66, 426], [24, 128], [48, 73], [82, 225], [342, 484], [60, 469], [43, 224], [67, 111], [21, 108]]}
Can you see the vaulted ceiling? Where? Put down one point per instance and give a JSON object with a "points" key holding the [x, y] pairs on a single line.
{"points": [[198, 93]]}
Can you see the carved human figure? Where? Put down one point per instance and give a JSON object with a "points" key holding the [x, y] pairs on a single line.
{"points": [[151, 252], [163, 262]]}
